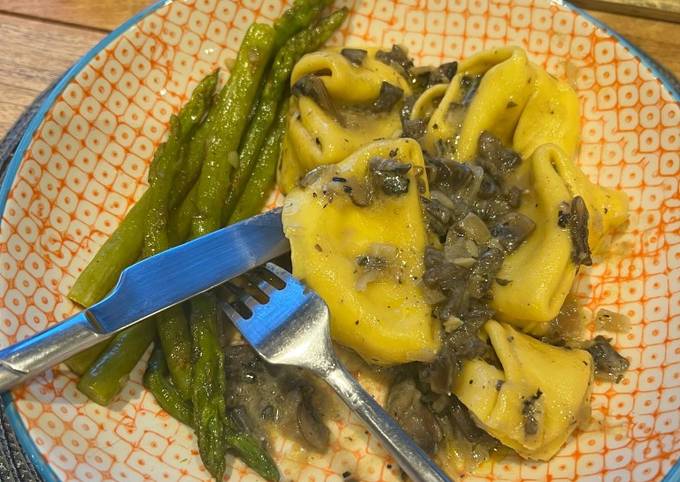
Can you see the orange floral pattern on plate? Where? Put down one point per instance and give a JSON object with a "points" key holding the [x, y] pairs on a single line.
{"points": [[86, 165]]}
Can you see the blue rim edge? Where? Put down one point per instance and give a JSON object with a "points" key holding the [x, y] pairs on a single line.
{"points": [[20, 430], [13, 416], [646, 60]]}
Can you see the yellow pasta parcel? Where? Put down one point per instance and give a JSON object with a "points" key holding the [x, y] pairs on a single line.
{"points": [[318, 136], [516, 101], [503, 90], [365, 259], [541, 271], [537, 399]]}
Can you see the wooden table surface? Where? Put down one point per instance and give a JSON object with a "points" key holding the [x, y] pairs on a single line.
{"points": [[40, 39]]}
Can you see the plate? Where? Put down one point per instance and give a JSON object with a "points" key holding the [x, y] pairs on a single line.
{"points": [[82, 163]]}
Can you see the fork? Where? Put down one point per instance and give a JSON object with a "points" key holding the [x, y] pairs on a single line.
{"points": [[288, 324]]}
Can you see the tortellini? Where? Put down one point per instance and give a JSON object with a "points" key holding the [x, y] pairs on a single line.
{"points": [[538, 117], [541, 270], [316, 136], [516, 101], [387, 320], [536, 400]]}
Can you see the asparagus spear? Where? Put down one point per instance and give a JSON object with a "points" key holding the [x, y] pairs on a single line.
{"points": [[106, 376], [104, 379], [306, 41], [228, 121], [180, 219], [248, 449], [262, 179], [167, 395], [299, 16]]}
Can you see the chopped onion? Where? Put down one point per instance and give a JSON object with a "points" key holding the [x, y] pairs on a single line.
{"points": [[452, 323], [312, 176], [366, 277], [474, 228], [442, 198], [432, 296], [382, 250], [472, 188], [472, 248], [611, 321], [465, 262]]}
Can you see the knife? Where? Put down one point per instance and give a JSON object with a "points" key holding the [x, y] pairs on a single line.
{"points": [[147, 287]]}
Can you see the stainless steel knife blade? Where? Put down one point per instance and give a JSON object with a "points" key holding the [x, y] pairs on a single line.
{"points": [[147, 287], [177, 274]]}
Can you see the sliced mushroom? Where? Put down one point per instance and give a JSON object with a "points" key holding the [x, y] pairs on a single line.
{"points": [[496, 159], [390, 176], [312, 428], [388, 97], [449, 69], [355, 56], [313, 87], [513, 229], [404, 403], [413, 128], [609, 365], [469, 86], [578, 229], [397, 57], [463, 420], [532, 413], [484, 273], [437, 216], [447, 175]]}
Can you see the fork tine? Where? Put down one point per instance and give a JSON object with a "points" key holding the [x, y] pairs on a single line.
{"points": [[269, 277], [261, 284], [279, 272], [292, 329], [251, 285], [231, 313], [234, 295], [245, 298]]}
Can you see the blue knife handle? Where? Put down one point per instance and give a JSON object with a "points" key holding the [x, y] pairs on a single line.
{"points": [[34, 355]]}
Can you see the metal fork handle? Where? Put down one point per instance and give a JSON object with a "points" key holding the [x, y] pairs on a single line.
{"points": [[411, 458], [34, 355]]}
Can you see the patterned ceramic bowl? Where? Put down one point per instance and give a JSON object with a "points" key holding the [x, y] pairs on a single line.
{"points": [[82, 164]]}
